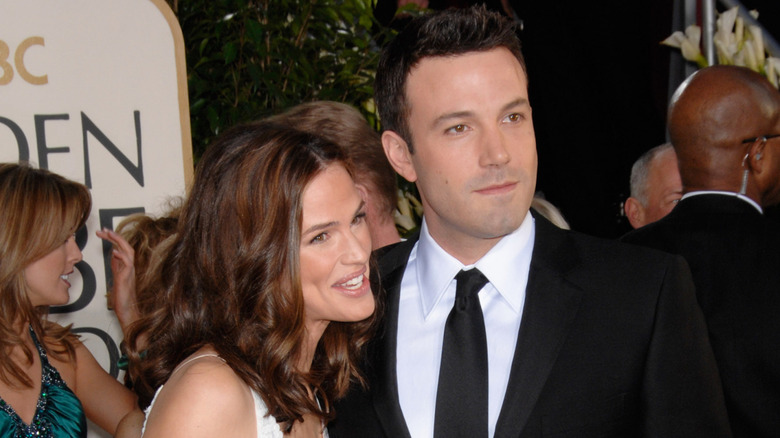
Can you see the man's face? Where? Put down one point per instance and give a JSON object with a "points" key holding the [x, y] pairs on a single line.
{"points": [[664, 188], [474, 157]]}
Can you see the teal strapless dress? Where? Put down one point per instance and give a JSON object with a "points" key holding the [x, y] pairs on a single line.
{"points": [[59, 412]]}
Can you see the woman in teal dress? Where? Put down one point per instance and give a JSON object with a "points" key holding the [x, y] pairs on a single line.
{"points": [[49, 381]]}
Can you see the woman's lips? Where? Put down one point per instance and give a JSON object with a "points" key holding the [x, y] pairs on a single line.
{"points": [[355, 285], [64, 277]]}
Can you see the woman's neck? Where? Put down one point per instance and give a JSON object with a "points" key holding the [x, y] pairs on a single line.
{"points": [[313, 335]]}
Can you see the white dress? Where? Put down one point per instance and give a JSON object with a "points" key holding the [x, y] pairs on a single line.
{"points": [[267, 427]]}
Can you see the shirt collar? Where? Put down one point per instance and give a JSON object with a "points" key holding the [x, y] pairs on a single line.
{"points": [[506, 265], [719, 192]]}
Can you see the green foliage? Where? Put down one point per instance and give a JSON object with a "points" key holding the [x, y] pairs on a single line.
{"points": [[250, 59]]}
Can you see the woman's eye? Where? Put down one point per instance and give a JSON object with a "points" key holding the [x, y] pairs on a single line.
{"points": [[319, 238], [359, 218]]}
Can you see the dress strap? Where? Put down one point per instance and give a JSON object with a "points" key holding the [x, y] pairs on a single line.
{"points": [[178, 367], [41, 350]]}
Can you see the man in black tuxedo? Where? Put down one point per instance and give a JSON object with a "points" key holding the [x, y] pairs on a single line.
{"points": [[572, 335], [724, 123]]}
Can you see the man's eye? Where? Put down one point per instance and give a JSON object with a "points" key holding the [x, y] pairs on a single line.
{"points": [[458, 129], [514, 117]]}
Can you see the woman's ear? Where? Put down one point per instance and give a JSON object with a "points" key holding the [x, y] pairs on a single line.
{"points": [[398, 154]]}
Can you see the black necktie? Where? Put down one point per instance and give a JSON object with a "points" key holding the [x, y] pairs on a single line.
{"points": [[462, 397]]}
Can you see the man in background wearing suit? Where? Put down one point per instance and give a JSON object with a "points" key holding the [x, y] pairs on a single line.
{"points": [[655, 186], [724, 123], [581, 336]]}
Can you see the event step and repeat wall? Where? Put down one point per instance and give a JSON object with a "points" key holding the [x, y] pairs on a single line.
{"points": [[96, 90]]}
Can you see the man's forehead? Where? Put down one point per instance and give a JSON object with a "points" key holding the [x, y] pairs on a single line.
{"points": [[423, 66]]}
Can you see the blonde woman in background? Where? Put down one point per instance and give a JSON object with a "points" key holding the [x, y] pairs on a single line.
{"points": [[49, 381]]}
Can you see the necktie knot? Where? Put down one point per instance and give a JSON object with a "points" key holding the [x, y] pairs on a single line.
{"points": [[469, 283]]}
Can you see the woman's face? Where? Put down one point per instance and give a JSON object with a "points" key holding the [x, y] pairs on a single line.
{"points": [[335, 249], [47, 277]]}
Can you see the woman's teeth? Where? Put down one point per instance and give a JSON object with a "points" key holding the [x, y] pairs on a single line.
{"points": [[355, 283]]}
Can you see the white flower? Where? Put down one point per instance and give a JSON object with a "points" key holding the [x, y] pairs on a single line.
{"points": [[735, 44], [418, 208], [725, 22], [727, 42], [758, 45], [688, 44], [726, 52], [739, 31], [403, 204], [751, 59], [773, 70], [402, 221]]}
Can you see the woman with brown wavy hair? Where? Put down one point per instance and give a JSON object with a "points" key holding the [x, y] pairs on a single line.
{"points": [[134, 243], [48, 378], [263, 299]]}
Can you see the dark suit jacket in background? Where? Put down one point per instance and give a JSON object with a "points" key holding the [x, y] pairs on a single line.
{"points": [[611, 344], [734, 255]]}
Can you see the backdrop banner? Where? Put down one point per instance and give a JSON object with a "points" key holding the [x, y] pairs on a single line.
{"points": [[96, 91]]}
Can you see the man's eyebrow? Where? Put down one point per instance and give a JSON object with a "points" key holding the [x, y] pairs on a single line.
{"points": [[444, 118], [520, 101]]}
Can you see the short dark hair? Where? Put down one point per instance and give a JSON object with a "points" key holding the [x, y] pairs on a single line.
{"points": [[449, 32]]}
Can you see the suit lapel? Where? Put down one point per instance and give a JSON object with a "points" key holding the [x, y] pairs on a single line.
{"points": [[550, 306], [385, 392]]}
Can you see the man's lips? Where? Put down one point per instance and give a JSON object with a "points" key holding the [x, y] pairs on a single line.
{"points": [[497, 189]]}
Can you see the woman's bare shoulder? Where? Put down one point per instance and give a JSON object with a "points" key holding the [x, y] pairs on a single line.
{"points": [[204, 397]]}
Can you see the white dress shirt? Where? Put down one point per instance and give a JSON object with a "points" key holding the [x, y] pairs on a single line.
{"points": [[719, 192], [427, 296]]}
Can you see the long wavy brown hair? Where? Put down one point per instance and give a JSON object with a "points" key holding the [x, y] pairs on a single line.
{"points": [[230, 277], [39, 211], [144, 233]]}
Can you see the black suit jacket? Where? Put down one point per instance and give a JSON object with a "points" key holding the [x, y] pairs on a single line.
{"points": [[611, 344], [734, 255]]}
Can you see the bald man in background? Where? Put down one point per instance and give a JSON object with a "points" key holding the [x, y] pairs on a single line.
{"points": [[724, 122]]}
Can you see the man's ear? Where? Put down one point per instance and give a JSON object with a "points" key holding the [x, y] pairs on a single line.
{"points": [[634, 212], [757, 152], [764, 170], [397, 151]]}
